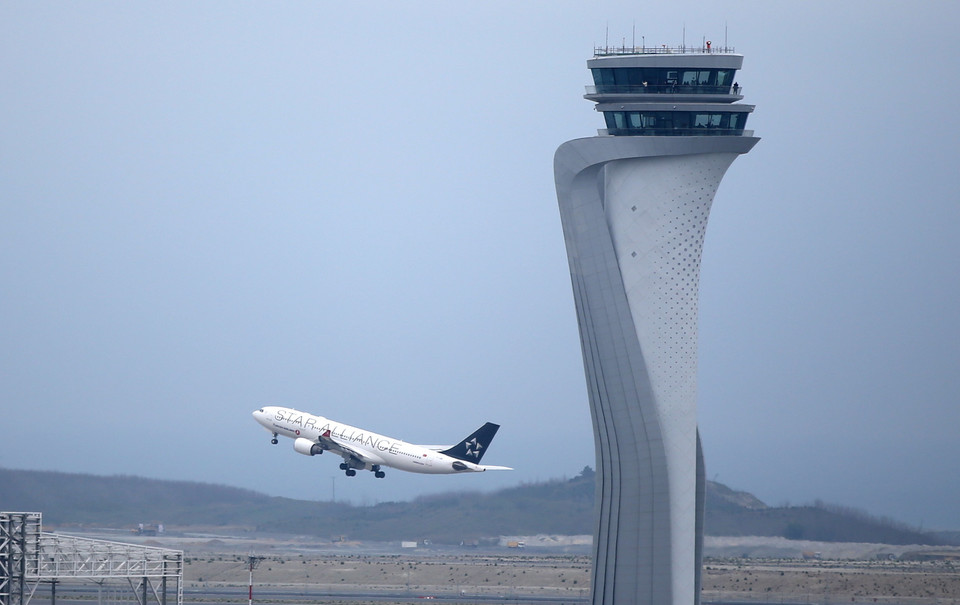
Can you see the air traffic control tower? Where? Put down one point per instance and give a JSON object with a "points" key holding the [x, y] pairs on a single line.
{"points": [[634, 203]]}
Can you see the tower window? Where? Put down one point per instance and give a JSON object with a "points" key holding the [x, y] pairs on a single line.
{"points": [[674, 123]]}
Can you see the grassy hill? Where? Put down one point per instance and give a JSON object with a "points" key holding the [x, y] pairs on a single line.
{"points": [[552, 507]]}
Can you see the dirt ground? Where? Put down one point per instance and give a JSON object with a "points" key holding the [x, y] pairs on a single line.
{"points": [[768, 580], [831, 581], [417, 573]]}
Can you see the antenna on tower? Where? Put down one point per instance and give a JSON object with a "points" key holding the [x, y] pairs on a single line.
{"points": [[724, 36], [633, 42]]}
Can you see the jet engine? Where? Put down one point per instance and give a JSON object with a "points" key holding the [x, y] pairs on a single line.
{"points": [[307, 447]]}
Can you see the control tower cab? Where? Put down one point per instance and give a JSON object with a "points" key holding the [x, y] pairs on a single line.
{"points": [[668, 92]]}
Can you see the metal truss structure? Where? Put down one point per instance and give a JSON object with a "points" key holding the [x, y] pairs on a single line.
{"points": [[30, 557]]}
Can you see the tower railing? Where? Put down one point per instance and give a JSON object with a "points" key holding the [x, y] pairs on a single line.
{"points": [[699, 131], [663, 49], [672, 89]]}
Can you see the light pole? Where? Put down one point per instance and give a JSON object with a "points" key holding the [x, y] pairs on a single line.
{"points": [[254, 561]]}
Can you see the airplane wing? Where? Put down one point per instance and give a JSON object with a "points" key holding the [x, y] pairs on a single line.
{"points": [[337, 446]]}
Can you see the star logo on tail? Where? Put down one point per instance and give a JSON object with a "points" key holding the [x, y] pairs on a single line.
{"points": [[473, 448]]}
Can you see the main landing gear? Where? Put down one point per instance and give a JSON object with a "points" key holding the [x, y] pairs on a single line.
{"points": [[274, 440], [379, 474]]}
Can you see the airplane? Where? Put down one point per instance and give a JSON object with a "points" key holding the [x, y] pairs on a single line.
{"points": [[364, 450]]}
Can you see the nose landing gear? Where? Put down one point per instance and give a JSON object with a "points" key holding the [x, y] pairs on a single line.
{"points": [[274, 440]]}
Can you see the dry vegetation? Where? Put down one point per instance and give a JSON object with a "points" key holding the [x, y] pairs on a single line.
{"points": [[832, 581], [788, 581], [446, 574]]}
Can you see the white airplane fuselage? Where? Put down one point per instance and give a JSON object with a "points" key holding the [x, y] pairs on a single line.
{"points": [[360, 449]]}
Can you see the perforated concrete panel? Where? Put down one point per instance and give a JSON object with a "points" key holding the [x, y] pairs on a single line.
{"points": [[634, 213]]}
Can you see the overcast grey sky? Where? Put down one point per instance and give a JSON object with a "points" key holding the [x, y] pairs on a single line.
{"points": [[349, 208]]}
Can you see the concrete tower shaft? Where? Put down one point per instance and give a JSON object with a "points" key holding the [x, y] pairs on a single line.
{"points": [[634, 210]]}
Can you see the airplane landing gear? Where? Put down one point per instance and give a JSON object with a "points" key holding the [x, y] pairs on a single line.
{"points": [[274, 440], [343, 466], [350, 472], [379, 474]]}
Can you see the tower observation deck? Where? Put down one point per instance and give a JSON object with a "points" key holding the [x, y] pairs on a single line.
{"points": [[668, 92], [634, 203]]}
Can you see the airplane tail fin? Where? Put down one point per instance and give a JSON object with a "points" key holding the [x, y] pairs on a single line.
{"points": [[473, 447]]}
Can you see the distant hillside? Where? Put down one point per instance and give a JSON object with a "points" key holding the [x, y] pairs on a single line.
{"points": [[552, 507]]}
